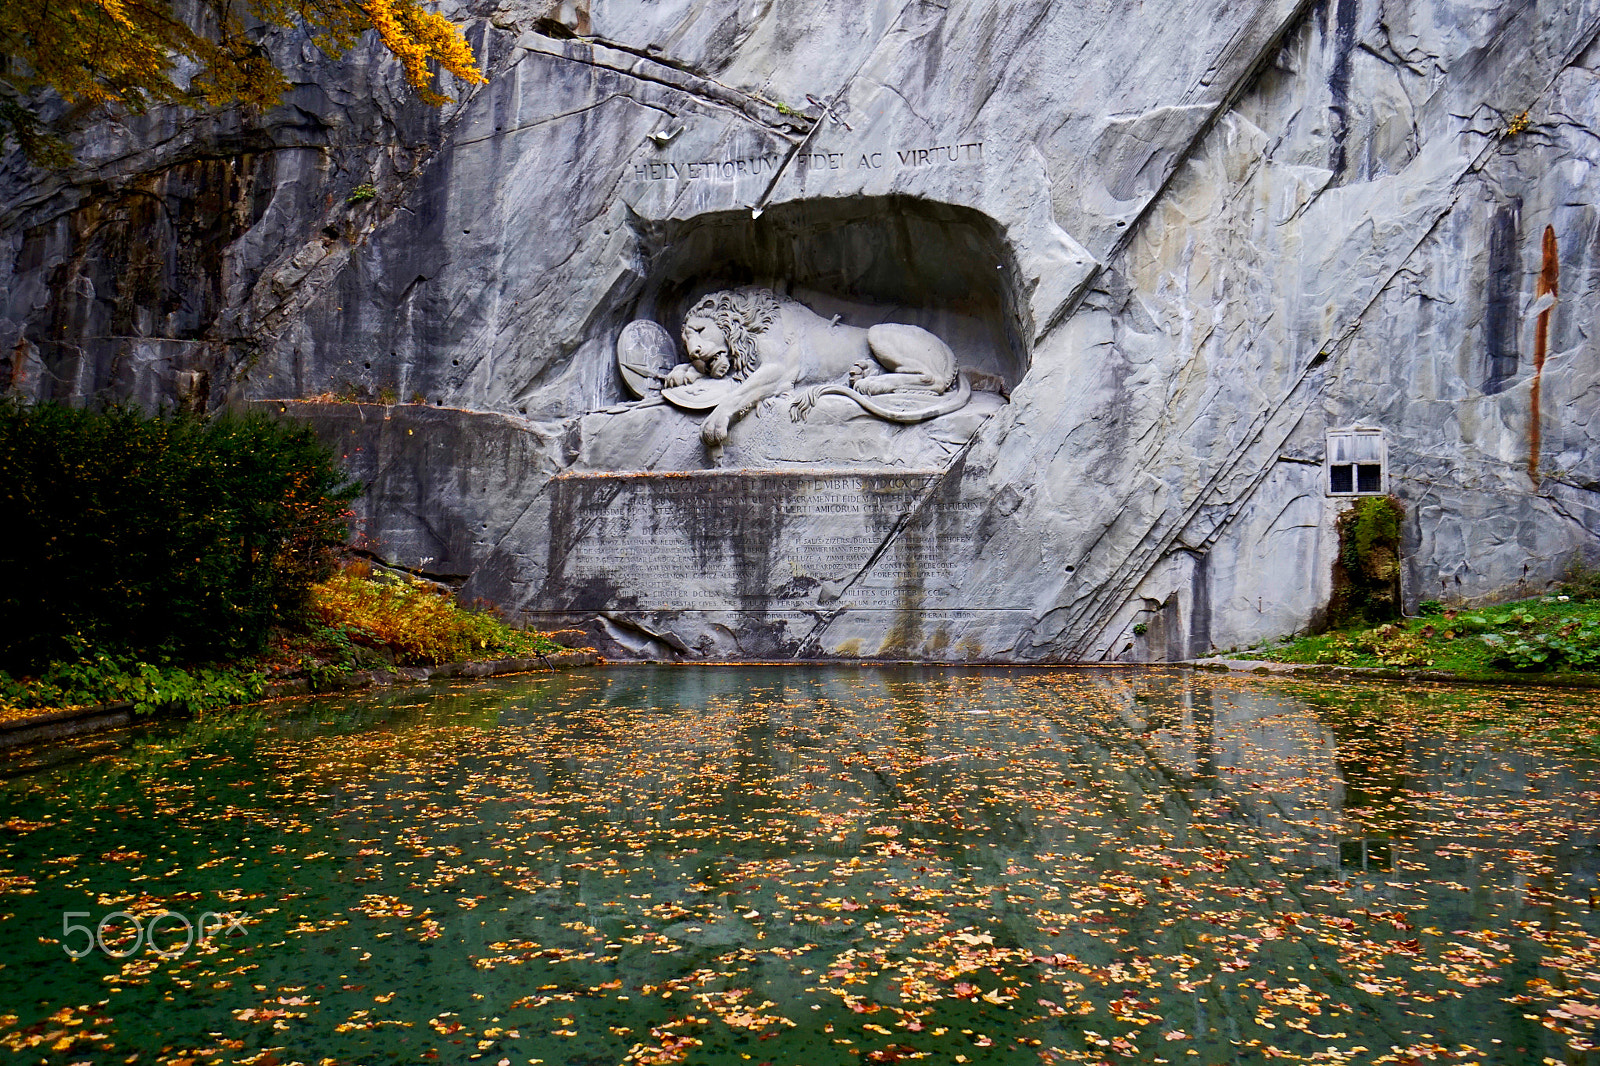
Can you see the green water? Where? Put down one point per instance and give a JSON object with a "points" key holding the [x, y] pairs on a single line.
{"points": [[807, 867]]}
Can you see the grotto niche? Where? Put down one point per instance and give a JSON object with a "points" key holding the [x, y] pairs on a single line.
{"points": [[861, 330]]}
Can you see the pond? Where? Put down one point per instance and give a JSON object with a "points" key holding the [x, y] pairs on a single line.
{"points": [[805, 867]]}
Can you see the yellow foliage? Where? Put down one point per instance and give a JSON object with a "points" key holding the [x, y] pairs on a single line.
{"points": [[416, 36], [126, 51], [417, 623]]}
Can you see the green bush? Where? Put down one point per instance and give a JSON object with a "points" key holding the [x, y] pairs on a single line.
{"points": [[1366, 574], [160, 537], [92, 677]]}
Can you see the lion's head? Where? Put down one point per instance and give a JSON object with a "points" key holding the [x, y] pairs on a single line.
{"points": [[720, 331]]}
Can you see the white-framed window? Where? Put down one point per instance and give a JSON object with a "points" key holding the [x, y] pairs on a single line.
{"points": [[1357, 461]]}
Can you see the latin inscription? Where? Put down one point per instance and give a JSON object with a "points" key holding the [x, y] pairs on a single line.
{"points": [[712, 170], [768, 541], [725, 170]]}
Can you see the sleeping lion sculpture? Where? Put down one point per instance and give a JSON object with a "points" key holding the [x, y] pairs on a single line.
{"points": [[746, 345]]}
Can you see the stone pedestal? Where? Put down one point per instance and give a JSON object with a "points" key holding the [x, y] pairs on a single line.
{"points": [[763, 563]]}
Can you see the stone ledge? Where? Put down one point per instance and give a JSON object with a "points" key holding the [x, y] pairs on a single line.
{"points": [[56, 725], [1318, 671], [1251, 666], [405, 675]]}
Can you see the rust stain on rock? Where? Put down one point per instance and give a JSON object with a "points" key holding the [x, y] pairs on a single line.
{"points": [[1548, 285], [18, 356]]}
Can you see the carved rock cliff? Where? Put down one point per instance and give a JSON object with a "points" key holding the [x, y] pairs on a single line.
{"points": [[1174, 249]]}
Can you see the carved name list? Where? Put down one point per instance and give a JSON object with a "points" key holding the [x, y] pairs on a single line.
{"points": [[720, 540]]}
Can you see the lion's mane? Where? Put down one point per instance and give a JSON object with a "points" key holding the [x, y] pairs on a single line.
{"points": [[742, 315]]}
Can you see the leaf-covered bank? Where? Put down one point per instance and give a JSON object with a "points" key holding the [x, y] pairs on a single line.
{"points": [[1558, 634]]}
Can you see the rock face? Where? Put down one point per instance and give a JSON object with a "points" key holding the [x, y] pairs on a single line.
{"points": [[1170, 251]]}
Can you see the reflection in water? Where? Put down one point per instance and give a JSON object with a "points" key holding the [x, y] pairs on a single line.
{"points": [[822, 866]]}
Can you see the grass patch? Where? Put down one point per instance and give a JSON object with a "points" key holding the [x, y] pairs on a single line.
{"points": [[1540, 635]]}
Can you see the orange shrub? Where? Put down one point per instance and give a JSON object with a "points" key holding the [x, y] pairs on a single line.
{"points": [[418, 623]]}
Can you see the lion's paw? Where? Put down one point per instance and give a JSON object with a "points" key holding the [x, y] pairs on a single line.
{"points": [[682, 374], [875, 385], [714, 430], [803, 404]]}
